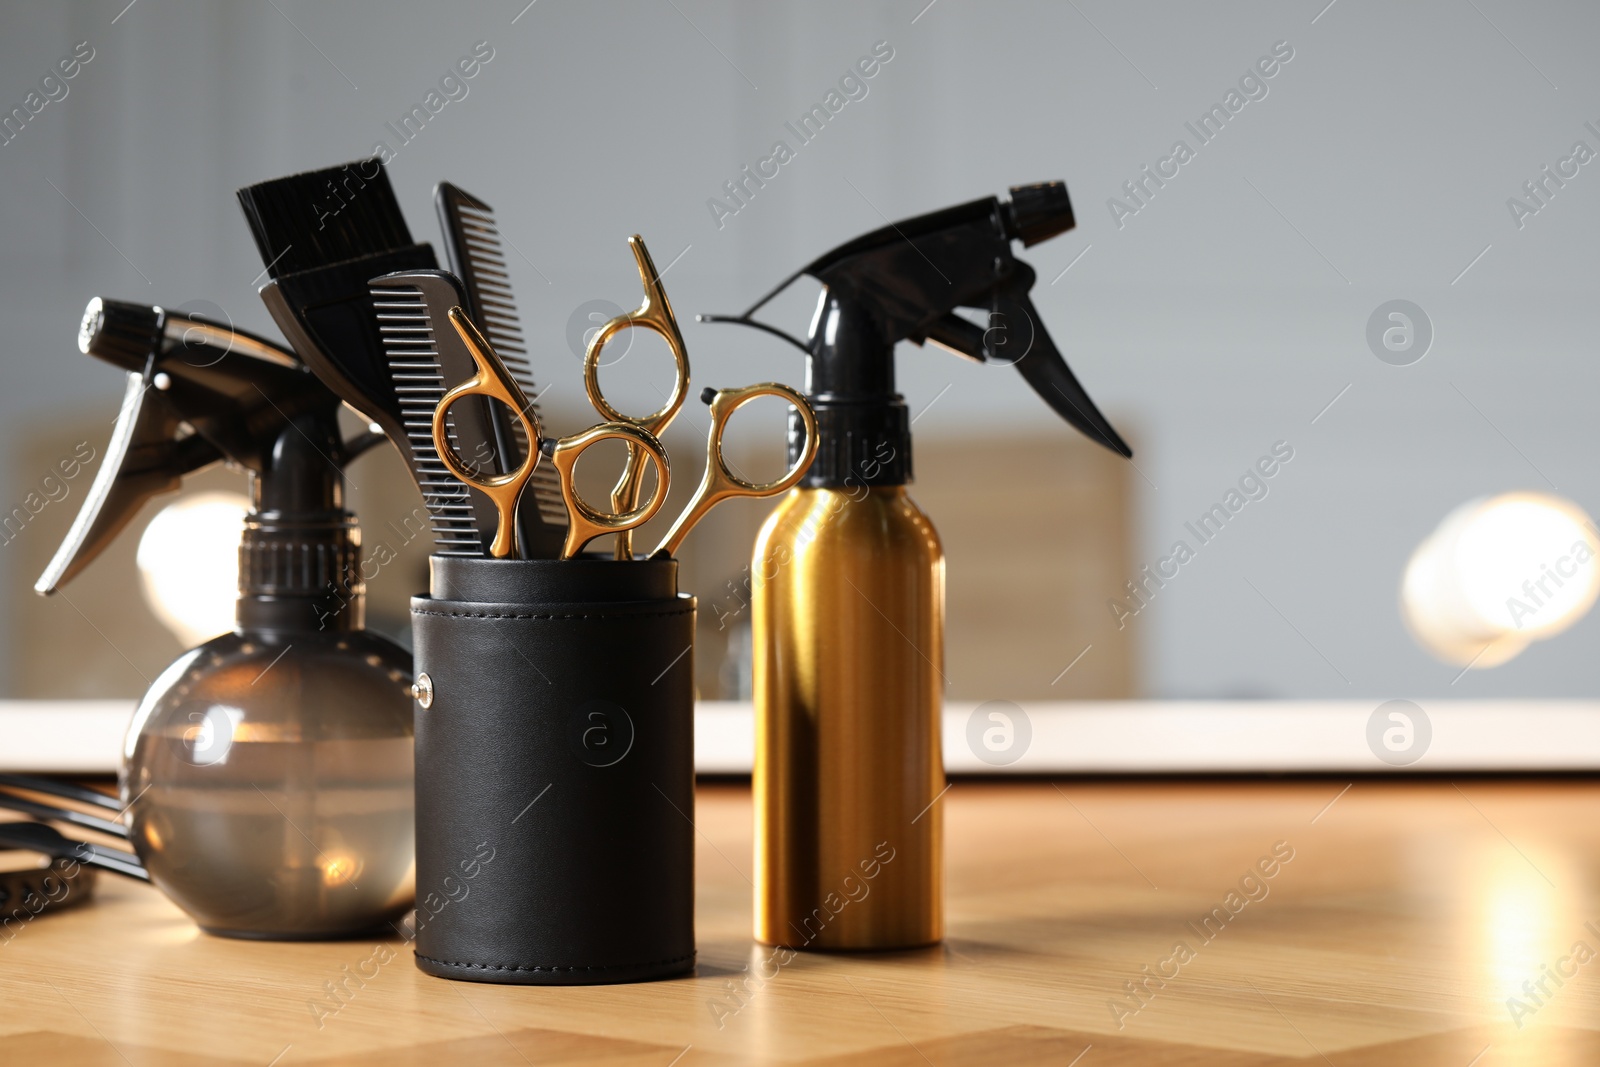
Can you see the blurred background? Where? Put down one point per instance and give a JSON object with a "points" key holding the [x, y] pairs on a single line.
{"points": [[1225, 315]]}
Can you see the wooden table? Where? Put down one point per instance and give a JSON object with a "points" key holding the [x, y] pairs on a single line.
{"points": [[1408, 915]]}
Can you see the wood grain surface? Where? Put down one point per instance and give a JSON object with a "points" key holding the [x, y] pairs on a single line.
{"points": [[1383, 923]]}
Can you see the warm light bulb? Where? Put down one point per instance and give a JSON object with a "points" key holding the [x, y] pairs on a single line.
{"points": [[189, 564], [1500, 573]]}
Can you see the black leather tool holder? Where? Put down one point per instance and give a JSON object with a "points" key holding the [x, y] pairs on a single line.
{"points": [[555, 771]]}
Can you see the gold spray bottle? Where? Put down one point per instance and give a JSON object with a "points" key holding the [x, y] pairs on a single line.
{"points": [[848, 590]]}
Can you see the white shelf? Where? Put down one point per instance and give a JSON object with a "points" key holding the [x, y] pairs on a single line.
{"points": [[1088, 737], [62, 736]]}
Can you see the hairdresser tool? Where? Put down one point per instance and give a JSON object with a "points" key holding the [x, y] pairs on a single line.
{"points": [[905, 282], [148, 455], [437, 342], [719, 482], [418, 387], [848, 767], [35, 810], [37, 837], [322, 235], [491, 380], [66, 854], [185, 407], [29, 889], [654, 314], [597, 708], [60, 790], [230, 810], [67, 877], [403, 303], [716, 485], [419, 360], [604, 723], [473, 247]]}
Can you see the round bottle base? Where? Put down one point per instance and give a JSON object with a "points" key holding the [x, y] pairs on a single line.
{"points": [[526, 974]]}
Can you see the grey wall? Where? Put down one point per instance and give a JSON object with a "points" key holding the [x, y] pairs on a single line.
{"points": [[1219, 319]]}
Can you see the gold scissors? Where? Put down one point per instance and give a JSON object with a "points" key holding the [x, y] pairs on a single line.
{"points": [[584, 523], [719, 483], [654, 314]]}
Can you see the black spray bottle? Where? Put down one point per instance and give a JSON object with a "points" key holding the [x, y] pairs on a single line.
{"points": [[268, 772], [848, 603]]}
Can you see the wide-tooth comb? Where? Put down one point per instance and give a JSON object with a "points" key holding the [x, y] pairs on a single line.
{"points": [[408, 342], [474, 250]]}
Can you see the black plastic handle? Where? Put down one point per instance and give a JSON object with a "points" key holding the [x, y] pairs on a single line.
{"points": [[51, 787], [37, 837], [51, 813]]}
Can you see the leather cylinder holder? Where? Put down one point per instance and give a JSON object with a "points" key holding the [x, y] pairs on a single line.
{"points": [[555, 771]]}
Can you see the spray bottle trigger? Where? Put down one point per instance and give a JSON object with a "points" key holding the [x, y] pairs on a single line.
{"points": [[144, 459], [1022, 340]]}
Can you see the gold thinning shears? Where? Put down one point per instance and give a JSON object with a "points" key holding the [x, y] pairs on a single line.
{"points": [[585, 523], [719, 482]]}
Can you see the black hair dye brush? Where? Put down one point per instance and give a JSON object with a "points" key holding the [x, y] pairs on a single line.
{"points": [[322, 235]]}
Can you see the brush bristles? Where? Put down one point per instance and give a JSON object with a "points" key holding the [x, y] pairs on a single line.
{"points": [[324, 216]]}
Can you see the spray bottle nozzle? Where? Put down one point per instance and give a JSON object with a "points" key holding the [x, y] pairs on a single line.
{"points": [[120, 333], [1037, 212], [906, 282], [197, 393]]}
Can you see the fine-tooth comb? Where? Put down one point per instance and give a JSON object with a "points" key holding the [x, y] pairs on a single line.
{"points": [[474, 249], [408, 343]]}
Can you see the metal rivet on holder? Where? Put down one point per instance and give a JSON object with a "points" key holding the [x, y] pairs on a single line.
{"points": [[422, 691]]}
